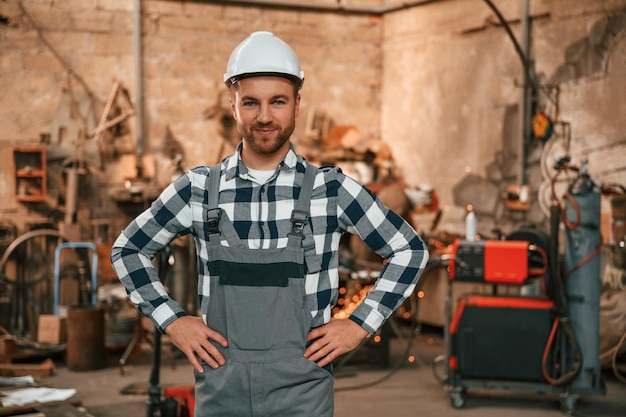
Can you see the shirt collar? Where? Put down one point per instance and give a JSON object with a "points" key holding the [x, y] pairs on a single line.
{"points": [[235, 166]]}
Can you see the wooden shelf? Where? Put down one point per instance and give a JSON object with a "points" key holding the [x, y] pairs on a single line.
{"points": [[30, 173]]}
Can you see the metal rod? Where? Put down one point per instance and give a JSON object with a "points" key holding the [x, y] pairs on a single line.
{"points": [[138, 52], [323, 7], [521, 151]]}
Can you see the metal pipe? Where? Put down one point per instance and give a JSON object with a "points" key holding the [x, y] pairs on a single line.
{"points": [[528, 76], [71, 195], [139, 102], [57, 270], [322, 7]]}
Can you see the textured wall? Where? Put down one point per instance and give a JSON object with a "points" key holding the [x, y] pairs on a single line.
{"points": [[452, 90], [440, 83], [186, 46]]}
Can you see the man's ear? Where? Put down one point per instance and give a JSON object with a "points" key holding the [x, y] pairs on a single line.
{"points": [[297, 107], [232, 107]]}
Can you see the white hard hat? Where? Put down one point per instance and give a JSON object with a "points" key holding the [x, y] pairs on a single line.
{"points": [[263, 53]]}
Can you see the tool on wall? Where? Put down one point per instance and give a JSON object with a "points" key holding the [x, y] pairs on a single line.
{"points": [[117, 110]]}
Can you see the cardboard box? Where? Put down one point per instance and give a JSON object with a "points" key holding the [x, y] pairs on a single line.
{"points": [[52, 329], [8, 347]]}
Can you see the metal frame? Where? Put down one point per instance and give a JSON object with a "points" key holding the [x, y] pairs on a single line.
{"points": [[57, 269]]}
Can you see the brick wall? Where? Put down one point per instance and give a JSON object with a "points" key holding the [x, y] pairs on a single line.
{"points": [[452, 89], [185, 49], [439, 83]]}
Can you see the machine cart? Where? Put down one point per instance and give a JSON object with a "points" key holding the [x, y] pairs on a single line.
{"points": [[515, 342]]}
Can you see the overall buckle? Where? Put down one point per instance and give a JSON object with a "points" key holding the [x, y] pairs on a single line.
{"points": [[298, 221], [213, 220]]}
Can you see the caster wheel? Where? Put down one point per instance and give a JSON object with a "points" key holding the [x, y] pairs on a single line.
{"points": [[568, 404], [457, 399]]}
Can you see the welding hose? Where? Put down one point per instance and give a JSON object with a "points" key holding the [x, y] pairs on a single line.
{"points": [[556, 211], [568, 197], [560, 303], [566, 326], [563, 216], [606, 189]]}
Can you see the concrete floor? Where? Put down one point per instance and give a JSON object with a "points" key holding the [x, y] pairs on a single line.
{"points": [[363, 388]]}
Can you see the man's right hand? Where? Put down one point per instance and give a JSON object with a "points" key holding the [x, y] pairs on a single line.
{"points": [[194, 339]]}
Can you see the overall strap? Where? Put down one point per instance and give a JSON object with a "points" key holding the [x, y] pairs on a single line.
{"points": [[300, 218], [214, 213]]}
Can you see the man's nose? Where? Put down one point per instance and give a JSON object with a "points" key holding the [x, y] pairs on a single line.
{"points": [[265, 114]]}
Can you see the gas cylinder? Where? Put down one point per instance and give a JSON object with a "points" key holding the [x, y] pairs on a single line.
{"points": [[582, 274]]}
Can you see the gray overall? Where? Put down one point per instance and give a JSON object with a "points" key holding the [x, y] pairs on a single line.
{"points": [[258, 303]]}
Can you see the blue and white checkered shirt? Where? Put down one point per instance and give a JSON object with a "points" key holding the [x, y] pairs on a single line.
{"points": [[261, 217]]}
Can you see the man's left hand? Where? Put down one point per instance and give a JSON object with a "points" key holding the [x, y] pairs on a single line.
{"points": [[333, 340]]}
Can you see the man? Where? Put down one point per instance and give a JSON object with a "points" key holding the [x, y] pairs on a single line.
{"points": [[267, 227]]}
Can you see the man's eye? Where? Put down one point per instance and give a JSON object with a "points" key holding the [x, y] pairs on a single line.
{"points": [[248, 103], [279, 102]]}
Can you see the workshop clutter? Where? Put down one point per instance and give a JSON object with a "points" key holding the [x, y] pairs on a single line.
{"points": [[75, 187], [52, 329], [71, 323], [184, 397], [546, 338]]}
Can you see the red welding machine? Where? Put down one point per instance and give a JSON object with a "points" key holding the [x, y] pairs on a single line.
{"points": [[490, 262]]}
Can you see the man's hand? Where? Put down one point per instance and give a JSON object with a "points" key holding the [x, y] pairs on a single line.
{"points": [[193, 338], [333, 340]]}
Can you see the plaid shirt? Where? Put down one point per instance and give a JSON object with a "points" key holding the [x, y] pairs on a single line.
{"points": [[261, 217]]}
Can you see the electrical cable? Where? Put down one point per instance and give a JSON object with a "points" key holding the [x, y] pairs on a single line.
{"points": [[389, 374], [542, 271], [546, 352], [430, 267], [439, 359], [616, 371], [544, 257], [520, 53], [583, 261]]}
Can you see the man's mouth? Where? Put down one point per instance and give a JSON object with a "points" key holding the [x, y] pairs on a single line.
{"points": [[265, 130]]}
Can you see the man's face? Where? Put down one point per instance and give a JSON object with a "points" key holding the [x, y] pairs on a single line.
{"points": [[265, 109]]}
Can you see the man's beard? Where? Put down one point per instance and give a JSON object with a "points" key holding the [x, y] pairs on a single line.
{"points": [[266, 145]]}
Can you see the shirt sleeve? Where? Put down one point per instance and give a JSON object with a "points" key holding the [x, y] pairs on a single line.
{"points": [[391, 237], [132, 254]]}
